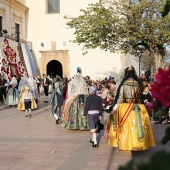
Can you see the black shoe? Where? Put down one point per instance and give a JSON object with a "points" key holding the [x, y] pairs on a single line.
{"points": [[57, 121], [95, 145], [30, 116], [91, 141]]}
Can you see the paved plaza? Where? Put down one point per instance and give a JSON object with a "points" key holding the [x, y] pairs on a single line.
{"points": [[38, 143]]}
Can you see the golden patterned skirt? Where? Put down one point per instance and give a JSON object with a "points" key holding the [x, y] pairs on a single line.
{"points": [[125, 132]]}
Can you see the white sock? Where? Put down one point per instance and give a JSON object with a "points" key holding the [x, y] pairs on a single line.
{"points": [[46, 98], [29, 111], [56, 117], [91, 136], [26, 112], [94, 138]]}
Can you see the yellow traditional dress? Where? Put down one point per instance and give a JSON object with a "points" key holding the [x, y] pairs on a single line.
{"points": [[21, 105], [130, 128]]}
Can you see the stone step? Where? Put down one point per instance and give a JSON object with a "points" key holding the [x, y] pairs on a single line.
{"points": [[21, 56]]}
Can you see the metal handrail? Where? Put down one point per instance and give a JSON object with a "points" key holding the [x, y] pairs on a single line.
{"points": [[14, 38]]}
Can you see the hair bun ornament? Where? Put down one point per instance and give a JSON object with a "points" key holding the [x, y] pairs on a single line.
{"points": [[79, 69], [130, 68]]}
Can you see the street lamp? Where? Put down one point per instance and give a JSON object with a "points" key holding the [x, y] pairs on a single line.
{"points": [[138, 52], [140, 55]]}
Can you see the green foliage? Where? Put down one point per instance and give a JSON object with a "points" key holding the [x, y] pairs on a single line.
{"points": [[165, 10], [158, 161], [122, 26]]}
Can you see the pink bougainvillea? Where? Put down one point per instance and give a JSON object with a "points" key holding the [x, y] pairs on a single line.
{"points": [[161, 87]]}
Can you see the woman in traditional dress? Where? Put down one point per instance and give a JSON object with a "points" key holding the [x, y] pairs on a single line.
{"points": [[105, 94], [33, 89], [13, 94], [23, 82], [28, 82], [74, 104], [128, 126]]}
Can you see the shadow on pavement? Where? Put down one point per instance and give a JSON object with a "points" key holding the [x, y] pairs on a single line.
{"points": [[40, 111], [112, 153]]}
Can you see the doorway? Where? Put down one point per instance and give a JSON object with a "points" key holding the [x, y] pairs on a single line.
{"points": [[54, 68]]}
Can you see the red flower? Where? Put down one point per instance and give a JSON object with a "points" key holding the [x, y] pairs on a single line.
{"points": [[161, 88]]}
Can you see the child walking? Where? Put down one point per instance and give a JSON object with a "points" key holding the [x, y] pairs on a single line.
{"points": [[27, 99]]}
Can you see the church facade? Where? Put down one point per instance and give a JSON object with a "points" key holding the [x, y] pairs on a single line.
{"points": [[42, 26]]}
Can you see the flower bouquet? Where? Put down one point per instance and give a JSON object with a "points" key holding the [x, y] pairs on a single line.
{"points": [[160, 90]]}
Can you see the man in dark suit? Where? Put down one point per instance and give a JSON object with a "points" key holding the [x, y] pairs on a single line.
{"points": [[46, 82]]}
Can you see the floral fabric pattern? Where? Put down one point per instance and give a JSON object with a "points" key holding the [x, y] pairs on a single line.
{"points": [[74, 119]]}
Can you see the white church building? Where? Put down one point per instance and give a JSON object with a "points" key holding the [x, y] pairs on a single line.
{"points": [[41, 25]]}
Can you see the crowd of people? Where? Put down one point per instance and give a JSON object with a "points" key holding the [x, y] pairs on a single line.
{"points": [[78, 103], [21, 93]]}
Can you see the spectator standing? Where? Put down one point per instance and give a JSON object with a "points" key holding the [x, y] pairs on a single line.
{"points": [[1, 93], [4, 84], [46, 83], [38, 82], [143, 78], [146, 97]]}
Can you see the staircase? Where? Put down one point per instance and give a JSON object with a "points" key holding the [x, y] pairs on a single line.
{"points": [[21, 55]]}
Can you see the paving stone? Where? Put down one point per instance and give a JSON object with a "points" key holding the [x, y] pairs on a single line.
{"points": [[37, 143]]}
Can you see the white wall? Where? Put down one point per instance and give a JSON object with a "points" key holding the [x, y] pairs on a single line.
{"points": [[45, 28]]}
